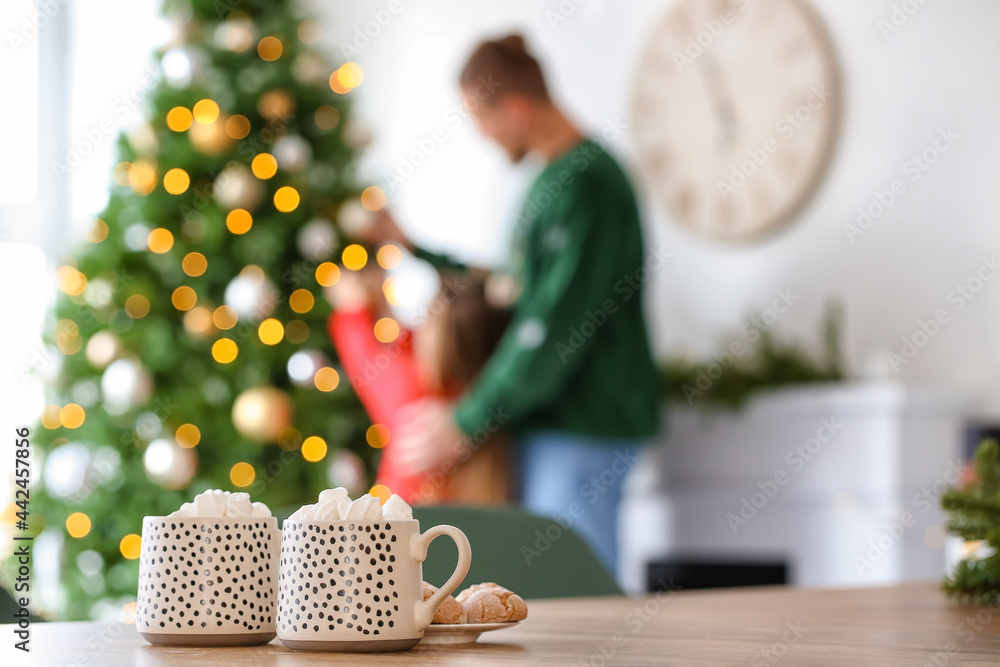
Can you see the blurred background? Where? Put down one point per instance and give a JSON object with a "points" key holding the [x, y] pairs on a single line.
{"points": [[827, 339]]}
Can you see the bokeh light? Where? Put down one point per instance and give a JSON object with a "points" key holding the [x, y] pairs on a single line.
{"points": [[188, 435], [237, 126], [225, 350], [286, 199], [50, 416], [390, 288], [269, 48], [137, 306], [326, 379], [160, 240], [373, 198], [264, 166], [310, 31], [381, 491], [176, 181], [239, 221], [130, 546], [198, 320], [327, 274], [179, 119], [142, 177], [184, 298], [225, 317], [389, 256], [194, 264], [327, 117], [70, 280], [72, 416], [346, 78], [206, 111], [354, 257], [301, 301], [78, 525], [377, 435], [242, 474], [386, 330], [271, 331], [314, 449], [98, 232]]}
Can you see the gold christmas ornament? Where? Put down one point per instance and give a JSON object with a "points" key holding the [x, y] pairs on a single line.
{"points": [[236, 187], [262, 413], [210, 138], [276, 104]]}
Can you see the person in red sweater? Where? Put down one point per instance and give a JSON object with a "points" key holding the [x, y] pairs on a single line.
{"points": [[440, 358]]}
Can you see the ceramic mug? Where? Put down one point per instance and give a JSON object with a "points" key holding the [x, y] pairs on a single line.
{"points": [[357, 586], [208, 581]]}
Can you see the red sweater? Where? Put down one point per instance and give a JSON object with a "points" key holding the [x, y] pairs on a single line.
{"points": [[385, 378]]}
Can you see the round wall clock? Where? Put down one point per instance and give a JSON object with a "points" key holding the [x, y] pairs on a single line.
{"points": [[735, 113]]}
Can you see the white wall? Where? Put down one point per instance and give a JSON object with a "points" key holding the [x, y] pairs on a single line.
{"points": [[938, 71]]}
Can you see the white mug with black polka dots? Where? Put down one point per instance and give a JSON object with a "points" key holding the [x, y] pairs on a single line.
{"points": [[208, 581], [358, 585]]}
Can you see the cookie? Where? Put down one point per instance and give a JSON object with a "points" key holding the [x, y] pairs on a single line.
{"points": [[491, 603], [449, 612]]}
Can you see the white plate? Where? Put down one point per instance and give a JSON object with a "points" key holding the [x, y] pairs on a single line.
{"points": [[460, 633]]}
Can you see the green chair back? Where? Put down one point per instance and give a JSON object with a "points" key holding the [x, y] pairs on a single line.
{"points": [[531, 555]]}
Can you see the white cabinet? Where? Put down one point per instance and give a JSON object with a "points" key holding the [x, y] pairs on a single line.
{"points": [[840, 481]]}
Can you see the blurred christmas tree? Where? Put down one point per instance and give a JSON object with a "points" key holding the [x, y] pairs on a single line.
{"points": [[975, 516], [191, 330]]}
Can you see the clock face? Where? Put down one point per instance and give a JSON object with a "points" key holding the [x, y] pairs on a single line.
{"points": [[735, 112]]}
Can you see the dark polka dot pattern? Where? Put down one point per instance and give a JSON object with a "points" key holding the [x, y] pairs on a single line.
{"points": [[346, 580], [207, 576]]}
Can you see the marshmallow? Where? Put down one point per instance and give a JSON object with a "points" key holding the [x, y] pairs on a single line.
{"points": [[210, 503], [238, 505], [216, 503], [396, 509], [335, 496]]}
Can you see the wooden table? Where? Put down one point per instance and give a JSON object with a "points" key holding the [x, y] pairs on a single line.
{"points": [[905, 625]]}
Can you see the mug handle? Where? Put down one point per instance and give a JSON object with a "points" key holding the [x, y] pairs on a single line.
{"points": [[423, 612]]}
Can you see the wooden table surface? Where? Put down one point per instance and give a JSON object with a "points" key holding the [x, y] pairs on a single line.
{"points": [[904, 625]]}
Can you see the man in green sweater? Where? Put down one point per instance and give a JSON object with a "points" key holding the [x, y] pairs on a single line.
{"points": [[572, 380]]}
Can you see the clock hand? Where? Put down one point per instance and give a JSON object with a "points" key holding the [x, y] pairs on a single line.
{"points": [[725, 110]]}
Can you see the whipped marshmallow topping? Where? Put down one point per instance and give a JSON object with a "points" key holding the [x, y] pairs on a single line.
{"points": [[216, 503], [336, 504]]}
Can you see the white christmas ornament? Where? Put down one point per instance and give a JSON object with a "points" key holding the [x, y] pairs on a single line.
{"points": [[251, 295], [125, 384], [169, 464], [236, 187], [102, 348], [354, 218], [65, 471], [317, 239], [292, 153], [302, 366]]}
